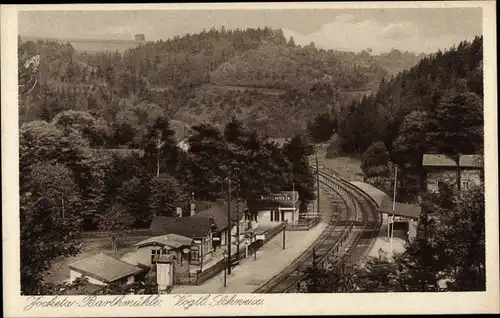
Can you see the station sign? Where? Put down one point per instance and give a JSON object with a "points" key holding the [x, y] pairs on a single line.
{"points": [[292, 196]]}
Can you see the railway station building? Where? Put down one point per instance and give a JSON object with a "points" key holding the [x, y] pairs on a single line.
{"points": [[440, 169], [277, 208], [406, 217]]}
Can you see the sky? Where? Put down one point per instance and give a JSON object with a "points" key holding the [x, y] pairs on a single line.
{"points": [[418, 30]]}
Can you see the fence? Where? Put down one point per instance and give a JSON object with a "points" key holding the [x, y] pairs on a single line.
{"points": [[273, 232], [303, 226], [200, 277], [186, 278]]}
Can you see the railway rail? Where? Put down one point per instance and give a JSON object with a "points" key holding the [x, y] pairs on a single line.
{"points": [[353, 225]]}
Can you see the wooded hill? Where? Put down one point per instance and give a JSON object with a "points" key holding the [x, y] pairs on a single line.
{"points": [[378, 117], [207, 77], [434, 107]]}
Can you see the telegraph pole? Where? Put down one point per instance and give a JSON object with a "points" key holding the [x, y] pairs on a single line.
{"points": [[229, 225], [317, 178], [237, 221], [158, 146]]}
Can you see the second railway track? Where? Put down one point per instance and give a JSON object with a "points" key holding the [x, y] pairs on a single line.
{"points": [[348, 235]]}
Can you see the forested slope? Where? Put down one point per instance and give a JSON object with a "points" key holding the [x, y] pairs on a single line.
{"points": [[187, 78]]}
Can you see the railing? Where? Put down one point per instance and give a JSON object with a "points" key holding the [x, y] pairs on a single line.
{"points": [[303, 226], [210, 272], [186, 278], [199, 278], [273, 232], [291, 275], [288, 279]]}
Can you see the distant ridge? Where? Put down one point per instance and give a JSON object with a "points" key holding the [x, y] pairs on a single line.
{"points": [[91, 45], [35, 38]]}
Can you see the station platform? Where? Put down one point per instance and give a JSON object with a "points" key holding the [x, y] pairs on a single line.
{"points": [[270, 260], [373, 192], [382, 242]]}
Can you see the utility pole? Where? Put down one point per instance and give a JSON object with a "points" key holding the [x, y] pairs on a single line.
{"points": [[317, 178], [284, 230], [158, 146], [225, 271], [229, 225], [393, 205], [238, 220]]}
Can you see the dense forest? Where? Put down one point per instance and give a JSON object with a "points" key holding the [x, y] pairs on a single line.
{"points": [[255, 75], [434, 107], [99, 132]]}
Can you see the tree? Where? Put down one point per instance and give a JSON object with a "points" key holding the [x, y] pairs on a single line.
{"points": [[134, 195], [375, 160], [161, 153], [297, 151], [45, 236], [412, 142], [118, 217], [291, 42], [40, 142], [464, 238], [56, 184], [207, 152], [96, 131], [137, 288], [322, 127], [166, 195], [459, 121]]}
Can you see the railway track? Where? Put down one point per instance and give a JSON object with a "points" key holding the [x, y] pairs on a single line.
{"points": [[350, 230]]}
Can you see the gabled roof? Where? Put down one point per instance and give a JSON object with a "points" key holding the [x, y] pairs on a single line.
{"points": [[190, 226], [400, 209], [171, 240], [440, 160], [217, 212], [105, 268]]}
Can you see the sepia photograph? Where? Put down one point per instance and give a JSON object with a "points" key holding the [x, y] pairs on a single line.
{"points": [[218, 155]]}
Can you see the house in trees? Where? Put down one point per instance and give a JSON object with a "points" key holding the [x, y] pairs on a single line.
{"points": [[177, 246], [440, 169], [277, 208], [101, 269], [217, 213], [140, 37], [197, 228]]}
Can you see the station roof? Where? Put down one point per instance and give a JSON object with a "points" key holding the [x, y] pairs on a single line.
{"points": [[171, 240], [105, 268], [440, 160], [400, 209]]}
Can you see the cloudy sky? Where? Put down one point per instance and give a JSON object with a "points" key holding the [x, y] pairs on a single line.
{"points": [[417, 30]]}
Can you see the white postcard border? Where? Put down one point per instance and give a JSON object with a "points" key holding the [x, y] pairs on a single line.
{"points": [[286, 304]]}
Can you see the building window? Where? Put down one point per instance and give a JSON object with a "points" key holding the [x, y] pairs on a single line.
{"points": [[195, 254], [275, 216], [206, 246], [153, 253]]}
